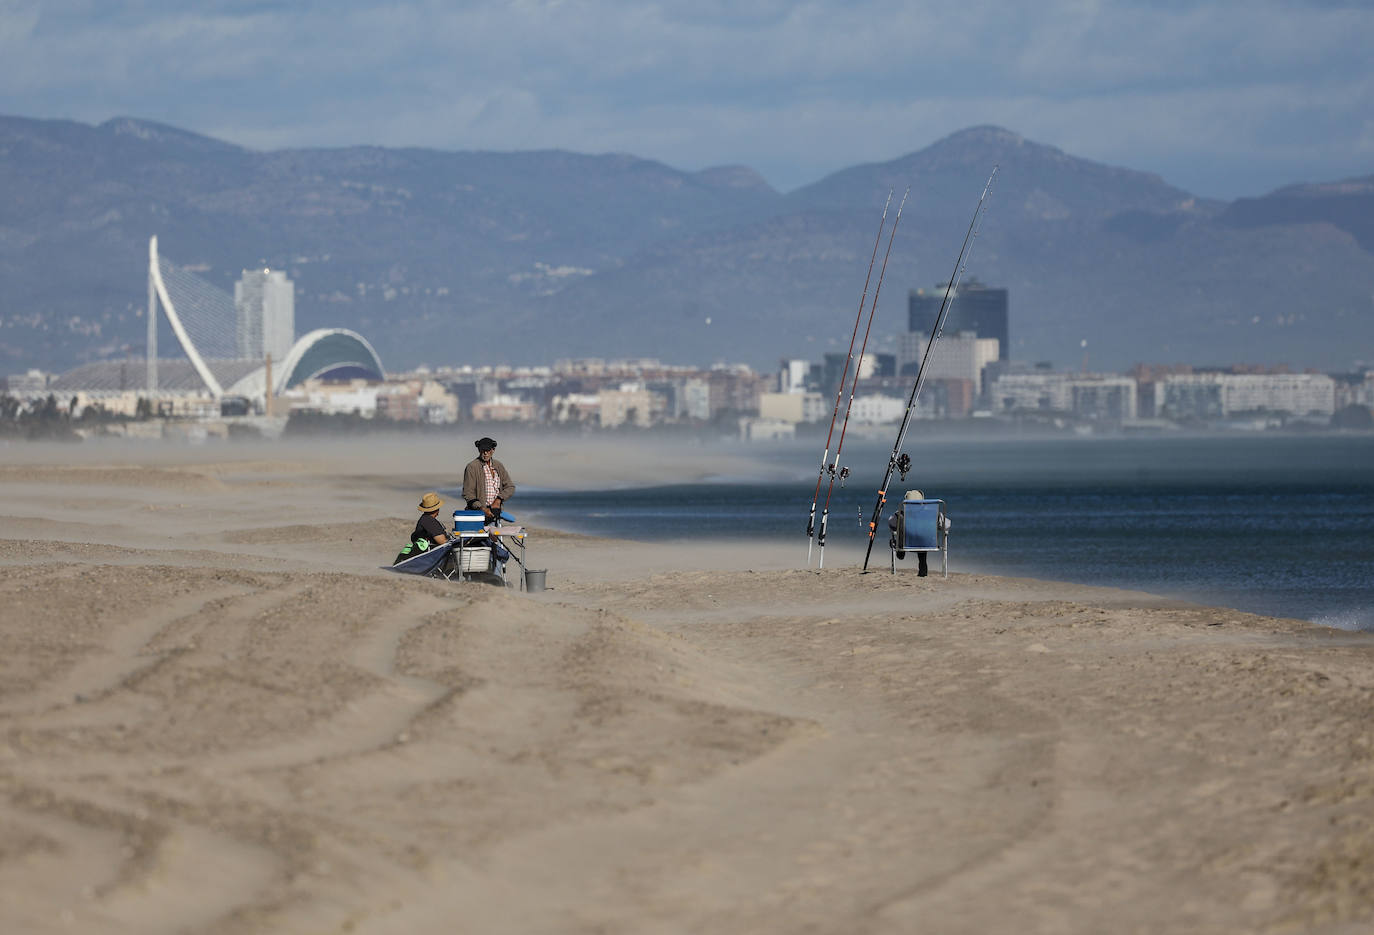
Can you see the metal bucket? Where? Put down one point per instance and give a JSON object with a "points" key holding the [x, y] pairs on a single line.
{"points": [[534, 578]]}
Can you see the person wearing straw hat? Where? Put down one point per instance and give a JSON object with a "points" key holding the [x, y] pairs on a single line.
{"points": [[428, 525], [428, 530]]}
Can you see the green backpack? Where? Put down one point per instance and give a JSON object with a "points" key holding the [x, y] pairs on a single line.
{"points": [[415, 547]]}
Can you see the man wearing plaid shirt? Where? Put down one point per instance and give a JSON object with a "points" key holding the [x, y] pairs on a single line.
{"points": [[486, 482]]}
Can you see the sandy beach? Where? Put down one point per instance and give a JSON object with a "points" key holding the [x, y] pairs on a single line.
{"points": [[219, 714]]}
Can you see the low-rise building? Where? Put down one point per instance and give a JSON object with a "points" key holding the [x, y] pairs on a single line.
{"points": [[793, 407], [875, 410], [29, 384], [1095, 396], [734, 388], [696, 399], [1364, 391], [959, 356], [576, 407], [398, 403], [1204, 396], [763, 429], [504, 407], [333, 397], [632, 404]]}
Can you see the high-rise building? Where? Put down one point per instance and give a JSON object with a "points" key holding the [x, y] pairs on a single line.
{"points": [[792, 375], [977, 308], [265, 302]]}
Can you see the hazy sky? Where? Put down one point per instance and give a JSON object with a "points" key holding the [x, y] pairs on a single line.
{"points": [[1223, 98]]}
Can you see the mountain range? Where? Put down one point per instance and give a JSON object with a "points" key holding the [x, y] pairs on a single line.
{"points": [[524, 257]]}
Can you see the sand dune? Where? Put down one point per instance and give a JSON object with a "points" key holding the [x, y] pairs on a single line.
{"points": [[219, 714]]}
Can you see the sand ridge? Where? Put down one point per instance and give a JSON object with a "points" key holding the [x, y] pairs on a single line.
{"points": [[225, 717]]}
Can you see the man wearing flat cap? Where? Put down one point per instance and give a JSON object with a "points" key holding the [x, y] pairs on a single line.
{"points": [[486, 482]]}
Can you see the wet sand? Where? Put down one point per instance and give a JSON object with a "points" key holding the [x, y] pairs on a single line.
{"points": [[219, 714]]}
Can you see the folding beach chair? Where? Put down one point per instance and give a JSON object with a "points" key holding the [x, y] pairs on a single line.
{"points": [[920, 526], [432, 562]]}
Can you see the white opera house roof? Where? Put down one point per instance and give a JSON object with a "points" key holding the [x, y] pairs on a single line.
{"points": [[325, 352]]}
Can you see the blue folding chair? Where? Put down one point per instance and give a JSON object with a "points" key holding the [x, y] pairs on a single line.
{"points": [[432, 562], [920, 526]]}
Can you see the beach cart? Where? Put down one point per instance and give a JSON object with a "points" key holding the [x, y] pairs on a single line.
{"points": [[476, 546]]}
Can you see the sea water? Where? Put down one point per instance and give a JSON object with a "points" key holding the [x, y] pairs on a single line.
{"points": [[1276, 525]]}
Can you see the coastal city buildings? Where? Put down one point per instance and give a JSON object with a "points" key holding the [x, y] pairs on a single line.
{"points": [[334, 373], [643, 394]]}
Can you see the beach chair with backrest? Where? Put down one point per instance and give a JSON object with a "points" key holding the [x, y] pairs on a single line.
{"points": [[920, 526], [432, 562]]}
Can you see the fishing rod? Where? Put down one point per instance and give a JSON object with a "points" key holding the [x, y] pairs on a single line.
{"points": [[825, 455], [898, 461], [835, 469]]}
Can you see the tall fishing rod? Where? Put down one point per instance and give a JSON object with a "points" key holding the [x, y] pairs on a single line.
{"points": [[825, 455], [835, 469], [901, 462]]}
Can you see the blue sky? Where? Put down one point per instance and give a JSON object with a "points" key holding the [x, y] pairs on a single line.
{"points": [[1223, 98]]}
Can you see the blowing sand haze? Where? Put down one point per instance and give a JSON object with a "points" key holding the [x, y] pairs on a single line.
{"points": [[218, 714]]}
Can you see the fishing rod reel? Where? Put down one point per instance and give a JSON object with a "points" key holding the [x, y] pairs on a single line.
{"points": [[842, 473], [903, 464]]}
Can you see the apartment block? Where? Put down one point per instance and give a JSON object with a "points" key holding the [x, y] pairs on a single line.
{"points": [[794, 407], [959, 356], [1104, 397], [1202, 396]]}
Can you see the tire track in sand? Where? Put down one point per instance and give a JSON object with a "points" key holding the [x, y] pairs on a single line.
{"points": [[125, 655], [373, 722]]}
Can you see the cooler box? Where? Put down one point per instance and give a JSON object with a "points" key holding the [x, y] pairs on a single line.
{"points": [[468, 521]]}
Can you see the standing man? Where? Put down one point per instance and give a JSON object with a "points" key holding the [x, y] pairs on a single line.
{"points": [[486, 482]]}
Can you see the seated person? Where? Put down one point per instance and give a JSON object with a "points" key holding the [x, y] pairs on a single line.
{"points": [[428, 530], [894, 523]]}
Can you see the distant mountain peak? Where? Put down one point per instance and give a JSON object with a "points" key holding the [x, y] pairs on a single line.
{"points": [[1040, 180], [985, 135], [153, 132], [987, 141]]}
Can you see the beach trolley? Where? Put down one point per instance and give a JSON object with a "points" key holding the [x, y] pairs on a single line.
{"points": [[473, 539], [920, 526]]}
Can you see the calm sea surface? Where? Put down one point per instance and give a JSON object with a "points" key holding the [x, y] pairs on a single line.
{"points": [[1278, 525]]}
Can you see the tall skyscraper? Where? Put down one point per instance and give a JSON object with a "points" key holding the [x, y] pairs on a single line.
{"points": [[265, 301], [977, 308]]}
